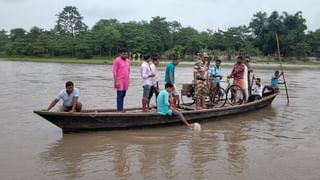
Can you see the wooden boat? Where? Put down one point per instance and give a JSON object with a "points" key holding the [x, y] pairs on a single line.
{"points": [[106, 119]]}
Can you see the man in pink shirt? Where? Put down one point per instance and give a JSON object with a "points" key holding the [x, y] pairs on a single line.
{"points": [[121, 77]]}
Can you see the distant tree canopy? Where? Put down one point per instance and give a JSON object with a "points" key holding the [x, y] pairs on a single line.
{"points": [[72, 37]]}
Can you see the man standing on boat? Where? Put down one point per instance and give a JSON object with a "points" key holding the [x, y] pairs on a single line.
{"points": [[146, 75], [238, 73], [155, 85], [121, 77], [249, 72], [200, 79], [215, 73], [170, 78], [163, 105], [70, 97]]}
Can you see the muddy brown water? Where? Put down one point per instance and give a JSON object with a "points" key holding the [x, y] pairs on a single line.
{"points": [[278, 142]]}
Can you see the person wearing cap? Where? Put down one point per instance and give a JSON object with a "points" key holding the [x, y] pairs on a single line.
{"points": [[215, 74], [201, 81]]}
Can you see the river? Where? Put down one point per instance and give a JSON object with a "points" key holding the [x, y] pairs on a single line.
{"points": [[279, 142]]}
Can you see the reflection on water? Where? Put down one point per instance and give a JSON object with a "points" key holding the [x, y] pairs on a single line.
{"points": [[164, 153], [278, 142]]}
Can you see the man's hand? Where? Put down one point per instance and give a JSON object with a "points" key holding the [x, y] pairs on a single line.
{"points": [[116, 84]]}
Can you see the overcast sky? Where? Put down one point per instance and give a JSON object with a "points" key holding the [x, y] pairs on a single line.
{"points": [[199, 14]]}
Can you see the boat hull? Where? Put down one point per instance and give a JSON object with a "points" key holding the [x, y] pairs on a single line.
{"points": [[107, 119]]}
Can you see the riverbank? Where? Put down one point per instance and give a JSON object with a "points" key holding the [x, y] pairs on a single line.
{"points": [[254, 63]]}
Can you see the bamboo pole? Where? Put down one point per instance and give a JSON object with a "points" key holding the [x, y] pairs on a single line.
{"points": [[284, 80]]}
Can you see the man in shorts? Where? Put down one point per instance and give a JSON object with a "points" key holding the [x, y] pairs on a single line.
{"points": [[170, 78], [155, 86], [146, 75]]}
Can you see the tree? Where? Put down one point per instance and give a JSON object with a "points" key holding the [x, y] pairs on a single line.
{"points": [[41, 45], [32, 36], [18, 43], [106, 35], [4, 39], [137, 37], [313, 40], [70, 21], [84, 45], [290, 29], [160, 30], [176, 51], [188, 38], [293, 40]]}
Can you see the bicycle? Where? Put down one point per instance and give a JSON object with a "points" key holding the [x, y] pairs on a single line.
{"points": [[187, 93], [235, 95], [217, 96]]}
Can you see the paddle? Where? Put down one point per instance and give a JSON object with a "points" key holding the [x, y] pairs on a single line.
{"points": [[284, 80]]}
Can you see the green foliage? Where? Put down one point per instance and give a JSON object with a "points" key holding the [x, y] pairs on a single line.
{"points": [[290, 29], [71, 38], [176, 51], [70, 21], [313, 40], [4, 39]]}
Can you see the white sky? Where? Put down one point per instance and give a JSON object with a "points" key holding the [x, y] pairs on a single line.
{"points": [[199, 14]]}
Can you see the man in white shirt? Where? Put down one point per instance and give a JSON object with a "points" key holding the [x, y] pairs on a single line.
{"points": [[257, 92], [146, 75], [70, 97], [155, 85]]}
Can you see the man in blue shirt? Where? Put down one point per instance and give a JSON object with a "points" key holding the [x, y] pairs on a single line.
{"points": [[170, 78], [274, 82], [163, 105], [275, 79], [215, 73]]}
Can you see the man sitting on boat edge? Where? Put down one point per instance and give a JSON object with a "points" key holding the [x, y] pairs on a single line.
{"points": [[163, 105], [257, 92], [273, 88], [70, 97]]}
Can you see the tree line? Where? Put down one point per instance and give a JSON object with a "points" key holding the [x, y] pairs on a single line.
{"points": [[71, 37]]}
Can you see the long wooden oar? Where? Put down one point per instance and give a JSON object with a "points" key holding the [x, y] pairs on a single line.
{"points": [[284, 80]]}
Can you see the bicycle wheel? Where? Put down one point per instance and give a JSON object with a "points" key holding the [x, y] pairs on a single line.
{"points": [[235, 95], [218, 97], [187, 98]]}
